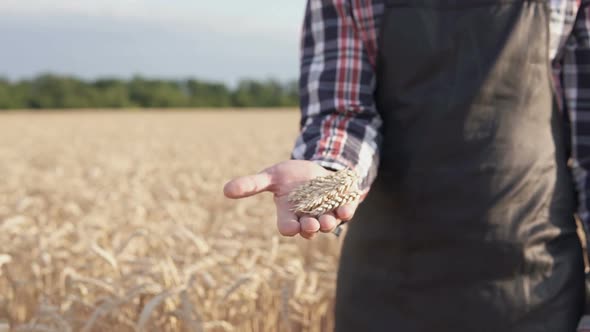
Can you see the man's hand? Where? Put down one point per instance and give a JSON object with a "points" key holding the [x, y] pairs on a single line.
{"points": [[280, 180]]}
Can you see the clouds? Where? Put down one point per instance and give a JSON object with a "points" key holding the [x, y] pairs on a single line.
{"points": [[79, 7], [176, 38], [229, 15], [117, 8]]}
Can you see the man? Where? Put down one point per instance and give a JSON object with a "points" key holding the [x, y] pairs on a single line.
{"points": [[456, 113]]}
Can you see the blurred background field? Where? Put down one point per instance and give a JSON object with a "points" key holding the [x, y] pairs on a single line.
{"points": [[115, 221], [120, 122]]}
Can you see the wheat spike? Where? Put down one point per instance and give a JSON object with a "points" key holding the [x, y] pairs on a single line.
{"points": [[325, 194]]}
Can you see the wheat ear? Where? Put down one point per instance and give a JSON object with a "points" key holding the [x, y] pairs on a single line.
{"points": [[325, 194]]}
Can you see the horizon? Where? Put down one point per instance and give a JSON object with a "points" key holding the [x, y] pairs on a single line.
{"points": [[231, 85]]}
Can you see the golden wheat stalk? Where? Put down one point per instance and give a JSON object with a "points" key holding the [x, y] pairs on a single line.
{"points": [[324, 194]]}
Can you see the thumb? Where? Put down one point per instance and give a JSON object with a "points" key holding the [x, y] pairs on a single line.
{"points": [[246, 186], [346, 212]]}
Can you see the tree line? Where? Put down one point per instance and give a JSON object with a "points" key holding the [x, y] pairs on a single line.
{"points": [[50, 91]]}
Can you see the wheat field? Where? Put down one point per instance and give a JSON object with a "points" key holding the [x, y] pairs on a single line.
{"points": [[116, 221]]}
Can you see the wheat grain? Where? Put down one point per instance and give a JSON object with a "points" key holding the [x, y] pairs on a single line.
{"points": [[113, 211], [324, 194]]}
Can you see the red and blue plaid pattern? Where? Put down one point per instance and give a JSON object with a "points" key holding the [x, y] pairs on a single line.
{"points": [[340, 124], [573, 68]]}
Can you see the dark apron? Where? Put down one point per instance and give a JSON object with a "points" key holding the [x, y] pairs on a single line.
{"points": [[469, 225]]}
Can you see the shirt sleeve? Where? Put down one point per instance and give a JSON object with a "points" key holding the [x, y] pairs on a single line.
{"points": [[339, 121], [575, 85]]}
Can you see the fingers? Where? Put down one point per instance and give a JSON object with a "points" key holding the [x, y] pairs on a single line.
{"points": [[309, 225], [346, 212], [328, 222], [290, 225], [248, 185], [308, 236], [287, 222]]}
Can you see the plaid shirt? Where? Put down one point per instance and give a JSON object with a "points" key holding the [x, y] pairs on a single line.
{"points": [[340, 123]]}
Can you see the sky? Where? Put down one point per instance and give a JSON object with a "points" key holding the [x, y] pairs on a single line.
{"points": [[206, 39]]}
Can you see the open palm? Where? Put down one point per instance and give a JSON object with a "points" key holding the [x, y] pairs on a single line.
{"points": [[281, 179]]}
